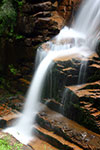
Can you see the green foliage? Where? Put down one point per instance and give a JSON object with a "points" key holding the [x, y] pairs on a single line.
{"points": [[19, 37], [7, 17], [2, 80], [19, 2], [13, 70], [5, 144], [16, 36], [3, 83], [17, 146]]}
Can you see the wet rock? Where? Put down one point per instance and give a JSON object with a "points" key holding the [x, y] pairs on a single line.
{"points": [[98, 48], [79, 103], [67, 9], [38, 1], [53, 104], [44, 23], [34, 8], [51, 140], [89, 102], [37, 16], [43, 14], [76, 135], [3, 123], [64, 72]]}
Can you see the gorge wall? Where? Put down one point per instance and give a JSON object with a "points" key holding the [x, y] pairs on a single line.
{"points": [[37, 21]]}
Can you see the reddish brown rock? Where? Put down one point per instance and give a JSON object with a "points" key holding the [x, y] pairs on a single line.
{"points": [[68, 129], [34, 29], [67, 9], [40, 7]]}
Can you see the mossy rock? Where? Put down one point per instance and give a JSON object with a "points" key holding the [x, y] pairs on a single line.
{"points": [[7, 142]]}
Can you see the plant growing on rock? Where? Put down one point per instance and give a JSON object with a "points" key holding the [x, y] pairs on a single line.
{"points": [[13, 70], [5, 144], [19, 2], [7, 17]]}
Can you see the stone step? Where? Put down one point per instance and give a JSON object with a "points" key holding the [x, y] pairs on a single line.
{"points": [[89, 98], [55, 139], [61, 130], [39, 144], [51, 140], [69, 130], [7, 112], [73, 110]]}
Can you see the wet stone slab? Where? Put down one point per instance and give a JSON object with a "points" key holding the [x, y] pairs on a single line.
{"points": [[68, 129]]}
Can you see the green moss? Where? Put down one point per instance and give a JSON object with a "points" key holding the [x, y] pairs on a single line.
{"points": [[19, 3], [19, 37], [7, 17], [5, 144], [13, 70], [4, 83]]}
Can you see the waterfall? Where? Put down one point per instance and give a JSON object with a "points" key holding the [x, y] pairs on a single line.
{"points": [[82, 72], [88, 21], [78, 40]]}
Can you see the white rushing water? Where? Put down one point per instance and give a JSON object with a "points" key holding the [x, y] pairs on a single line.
{"points": [[82, 72], [88, 21], [80, 40]]}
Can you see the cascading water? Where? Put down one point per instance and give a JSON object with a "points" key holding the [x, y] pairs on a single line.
{"points": [[87, 22], [82, 72], [80, 40]]}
